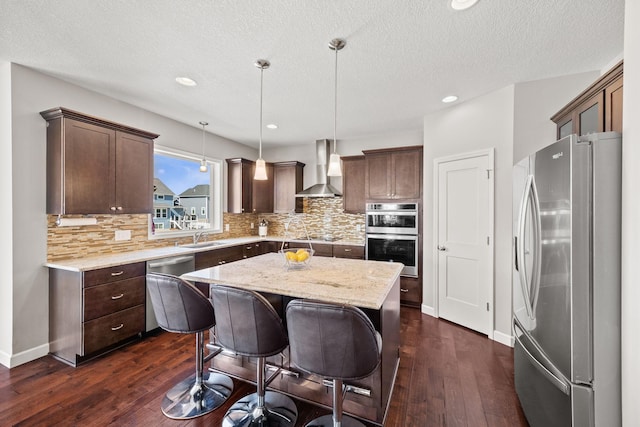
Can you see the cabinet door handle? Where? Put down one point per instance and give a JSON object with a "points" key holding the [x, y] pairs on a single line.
{"points": [[117, 296], [404, 290], [115, 328], [119, 273], [119, 208], [347, 250], [113, 208]]}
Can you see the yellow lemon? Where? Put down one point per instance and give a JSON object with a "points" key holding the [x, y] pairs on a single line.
{"points": [[299, 251], [302, 256], [291, 256]]}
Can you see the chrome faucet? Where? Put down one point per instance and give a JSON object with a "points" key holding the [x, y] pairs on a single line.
{"points": [[197, 235]]}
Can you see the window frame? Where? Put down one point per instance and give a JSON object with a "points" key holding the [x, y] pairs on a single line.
{"points": [[216, 170]]}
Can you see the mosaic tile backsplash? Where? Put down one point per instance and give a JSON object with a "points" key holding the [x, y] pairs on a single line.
{"points": [[322, 217]]}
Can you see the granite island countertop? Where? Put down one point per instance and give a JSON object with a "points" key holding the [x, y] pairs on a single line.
{"points": [[111, 260], [336, 280]]}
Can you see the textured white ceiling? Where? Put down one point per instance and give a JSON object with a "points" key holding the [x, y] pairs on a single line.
{"points": [[401, 56]]}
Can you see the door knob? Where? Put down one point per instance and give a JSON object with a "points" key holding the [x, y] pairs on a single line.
{"points": [[442, 248]]}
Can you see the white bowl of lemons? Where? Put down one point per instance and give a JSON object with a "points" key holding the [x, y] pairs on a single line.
{"points": [[297, 257]]}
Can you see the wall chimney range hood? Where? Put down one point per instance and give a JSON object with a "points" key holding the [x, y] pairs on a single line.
{"points": [[321, 188]]}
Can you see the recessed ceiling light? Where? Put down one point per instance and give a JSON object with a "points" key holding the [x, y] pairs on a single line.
{"points": [[450, 98], [186, 81], [462, 4], [272, 126]]}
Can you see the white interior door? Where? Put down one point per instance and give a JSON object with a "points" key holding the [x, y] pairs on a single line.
{"points": [[464, 239]]}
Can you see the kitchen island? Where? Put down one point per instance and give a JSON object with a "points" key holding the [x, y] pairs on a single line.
{"points": [[372, 286]]}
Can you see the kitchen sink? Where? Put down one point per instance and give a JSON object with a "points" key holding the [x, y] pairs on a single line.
{"points": [[202, 245]]}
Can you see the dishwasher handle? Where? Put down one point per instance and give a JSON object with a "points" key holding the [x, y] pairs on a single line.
{"points": [[171, 261]]}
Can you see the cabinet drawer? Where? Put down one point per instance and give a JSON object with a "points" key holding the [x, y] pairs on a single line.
{"points": [[348, 251], [112, 274], [410, 291], [111, 297], [321, 249], [107, 330]]}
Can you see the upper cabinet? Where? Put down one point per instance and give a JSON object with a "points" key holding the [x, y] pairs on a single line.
{"points": [[393, 173], [96, 166], [597, 109], [245, 194], [353, 184], [287, 183]]}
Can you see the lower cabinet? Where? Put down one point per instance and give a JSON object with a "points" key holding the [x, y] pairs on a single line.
{"points": [[410, 291], [348, 251], [218, 256], [95, 311]]}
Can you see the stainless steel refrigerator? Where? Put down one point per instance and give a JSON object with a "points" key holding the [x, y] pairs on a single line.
{"points": [[566, 282]]}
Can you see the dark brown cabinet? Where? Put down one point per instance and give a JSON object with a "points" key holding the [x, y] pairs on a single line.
{"points": [[288, 178], [410, 291], [597, 109], [394, 173], [244, 194], [348, 251], [94, 311], [254, 249], [219, 256], [97, 167], [353, 184]]}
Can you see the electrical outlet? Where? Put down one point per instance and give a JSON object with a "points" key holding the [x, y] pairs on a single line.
{"points": [[252, 226], [226, 227], [123, 235], [357, 228]]}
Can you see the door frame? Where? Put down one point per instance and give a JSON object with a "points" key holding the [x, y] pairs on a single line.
{"points": [[489, 153]]}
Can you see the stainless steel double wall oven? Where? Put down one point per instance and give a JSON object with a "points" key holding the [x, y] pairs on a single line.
{"points": [[392, 234]]}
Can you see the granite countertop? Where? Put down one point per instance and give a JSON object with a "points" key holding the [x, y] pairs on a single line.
{"points": [[111, 260], [336, 280]]}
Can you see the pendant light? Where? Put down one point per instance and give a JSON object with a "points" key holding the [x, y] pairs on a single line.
{"points": [[334, 159], [203, 162], [261, 169]]}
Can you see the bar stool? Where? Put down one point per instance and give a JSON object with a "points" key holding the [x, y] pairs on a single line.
{"points": [[249, 326], [180, 307], [336, 342]]}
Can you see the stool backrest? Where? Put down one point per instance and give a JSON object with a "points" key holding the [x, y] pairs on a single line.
{"points": [[246, 322], [334, 341], [178, 305]]}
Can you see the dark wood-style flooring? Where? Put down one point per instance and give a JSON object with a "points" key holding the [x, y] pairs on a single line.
{"points": [[448, 376]]}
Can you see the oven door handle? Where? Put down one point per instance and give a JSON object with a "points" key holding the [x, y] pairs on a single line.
{"points": [[396, 213], [393, 236]]}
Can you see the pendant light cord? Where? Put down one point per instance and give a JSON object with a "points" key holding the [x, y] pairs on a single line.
{"points": [[335, 104], [261, 84]]}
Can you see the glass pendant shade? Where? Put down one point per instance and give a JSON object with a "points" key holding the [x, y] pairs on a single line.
{"points": [[261, 170], [203, 162], [334, 165], [203, 165]]}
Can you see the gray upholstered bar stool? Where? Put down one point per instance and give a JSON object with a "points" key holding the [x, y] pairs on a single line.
{"points": [[249, 326], [333, 341], [180, 307]]}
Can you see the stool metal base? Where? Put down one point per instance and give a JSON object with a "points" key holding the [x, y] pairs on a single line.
{"points": [[278, 411], [187, 399], [327, 421]]}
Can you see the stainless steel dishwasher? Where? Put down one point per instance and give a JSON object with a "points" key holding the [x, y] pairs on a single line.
{"points": [[176, 265]]}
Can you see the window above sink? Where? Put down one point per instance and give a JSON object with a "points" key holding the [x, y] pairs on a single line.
{"points": [[185, 200]]}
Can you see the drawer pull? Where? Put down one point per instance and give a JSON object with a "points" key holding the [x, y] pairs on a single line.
{"points": [[404, 290], [119, 273], [347, 250], [117, 327], [117, 296]]}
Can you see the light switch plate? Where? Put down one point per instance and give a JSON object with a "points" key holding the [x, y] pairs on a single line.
{"points": [[123, 235], [226, 227]]}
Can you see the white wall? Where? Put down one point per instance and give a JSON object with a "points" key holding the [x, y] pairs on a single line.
{"points": [[481, 123], [6, 264], [631, 218], [535, 103], [33, 92]]}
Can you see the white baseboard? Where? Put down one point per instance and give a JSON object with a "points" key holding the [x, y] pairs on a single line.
{"points": [[428, 310], [24, 356], [503, 338]]}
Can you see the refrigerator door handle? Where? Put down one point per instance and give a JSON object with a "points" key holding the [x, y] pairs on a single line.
{"points": [[556, 378], [522, 272], [537, 257]]}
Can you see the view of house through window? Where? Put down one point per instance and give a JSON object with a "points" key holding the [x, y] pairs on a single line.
{"points": [[185, 200]]}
